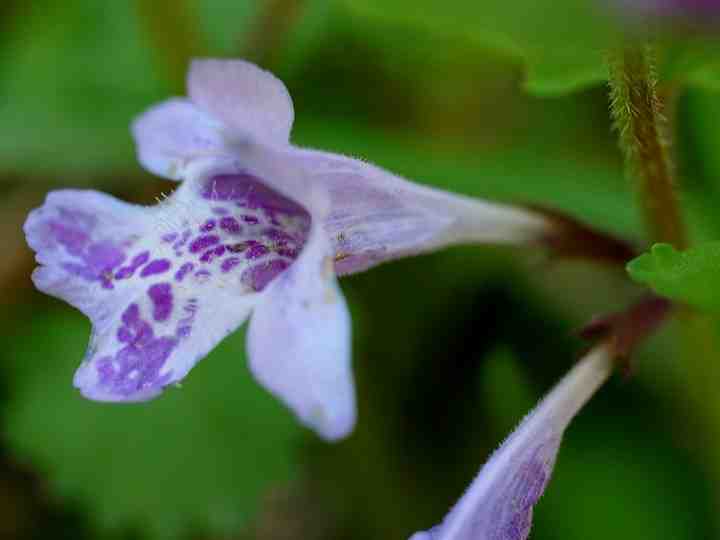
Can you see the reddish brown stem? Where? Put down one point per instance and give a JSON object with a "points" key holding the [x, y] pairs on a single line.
{"points": [[573, 239], [625, 330]]}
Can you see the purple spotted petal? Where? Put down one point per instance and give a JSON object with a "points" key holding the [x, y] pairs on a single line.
{"points": [[243, 96], [299, 342], [373, 215], [161, 286], [499, 503], [82, 239]]}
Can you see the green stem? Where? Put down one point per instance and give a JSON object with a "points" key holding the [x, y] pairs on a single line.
{"points": [[637, 110]]}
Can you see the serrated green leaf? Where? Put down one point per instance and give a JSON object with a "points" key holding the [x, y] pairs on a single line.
{"points": [[199, 456], [691, 276]]}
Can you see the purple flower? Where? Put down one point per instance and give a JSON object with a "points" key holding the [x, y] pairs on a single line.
{"points": [[257, 225], [499, 503]]}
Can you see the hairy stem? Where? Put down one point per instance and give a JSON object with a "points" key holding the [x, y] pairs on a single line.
{"points": [[637, 110]]}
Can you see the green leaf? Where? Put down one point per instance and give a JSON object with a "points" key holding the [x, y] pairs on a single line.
{"points": [[199, 456], [691, 276], [70, 87], [692, 61], [561, 42]]}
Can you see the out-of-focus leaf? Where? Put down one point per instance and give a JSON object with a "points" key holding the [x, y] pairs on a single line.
{"points": [[616, 464], [199, 457], [698, 142], [225, 22], [75, 74], [691, 276], [692, 61], [561, 42]]}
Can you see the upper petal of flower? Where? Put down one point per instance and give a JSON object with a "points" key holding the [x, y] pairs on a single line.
{"points": [[242, 96], [376, 216], [162, 285], [498, 504], [172, 133], [299, 342]]}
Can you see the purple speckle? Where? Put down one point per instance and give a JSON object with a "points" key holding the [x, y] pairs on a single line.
{"points": [[140, 259], [187, 233], [283, 243], [131, 315], [136, 262], [74, 240], [257, 277], [278, 236], [257, 204], [162, 299], [80, 270], [134, 330], [256, 251], [185, 324], [158, 266], [208, 226], [183, 271], [240, 246], [212, 253], [220, 211], [288, 252], [104, 256], [202, 275], [249, 192], [230, 225], [204, 242], [135, 368], [229, 263], [169, 237], [183, 331], [97, 263]]}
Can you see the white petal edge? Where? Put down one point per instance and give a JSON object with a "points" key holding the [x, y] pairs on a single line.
{"points": [[476, 514], [172, 133], [299, 342], [243, 97]]}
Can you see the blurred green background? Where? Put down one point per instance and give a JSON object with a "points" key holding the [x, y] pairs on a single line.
{"points": [[450, 350]]}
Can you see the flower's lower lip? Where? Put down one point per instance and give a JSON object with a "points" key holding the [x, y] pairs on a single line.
{"points": [[158, 270]]}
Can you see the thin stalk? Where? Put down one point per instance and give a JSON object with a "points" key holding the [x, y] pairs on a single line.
{"points": [[637, 109]]}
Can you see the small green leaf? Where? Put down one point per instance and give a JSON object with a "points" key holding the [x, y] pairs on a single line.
{"points": [[196, 459], [691, 276]]}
